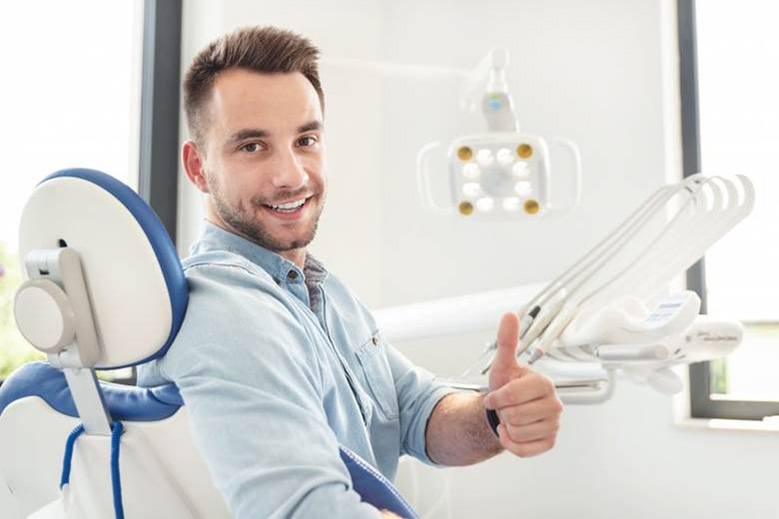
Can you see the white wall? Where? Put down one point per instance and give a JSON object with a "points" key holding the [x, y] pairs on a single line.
{"points": [[599, 72]]}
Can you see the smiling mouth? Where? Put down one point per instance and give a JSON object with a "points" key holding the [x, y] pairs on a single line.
{"points": [[288, 208]]}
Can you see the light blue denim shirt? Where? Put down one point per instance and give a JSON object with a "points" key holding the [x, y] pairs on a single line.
{"points": [[277, 367]]}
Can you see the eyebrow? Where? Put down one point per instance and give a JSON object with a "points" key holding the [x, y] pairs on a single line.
{"points": [[310, 127], [256, 133]]}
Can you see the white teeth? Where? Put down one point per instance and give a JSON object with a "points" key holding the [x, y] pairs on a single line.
{"points": [[291, 205]]}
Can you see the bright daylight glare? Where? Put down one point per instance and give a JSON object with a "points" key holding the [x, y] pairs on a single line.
{"points": [[72, 101], [738, 83]]}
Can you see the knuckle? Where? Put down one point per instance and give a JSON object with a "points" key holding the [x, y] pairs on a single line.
{"points": [[515, 451], [519, 451], [522, 451], [527, 450], [511, 416], [524, 435], [517, 416], [516, 385], [497, 400]]}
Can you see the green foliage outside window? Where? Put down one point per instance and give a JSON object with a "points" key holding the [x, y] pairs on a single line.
{"points": [[14, 349], [719, 376]]}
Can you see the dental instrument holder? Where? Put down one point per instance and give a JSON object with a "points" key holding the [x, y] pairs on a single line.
{"points": [[502, 174], [53, 313], [643, 345], [587, 290]]}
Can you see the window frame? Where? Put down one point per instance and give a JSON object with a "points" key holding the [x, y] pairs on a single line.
{"points": [[701, 403], [159, 129]]}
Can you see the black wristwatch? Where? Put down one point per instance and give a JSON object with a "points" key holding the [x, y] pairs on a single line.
{"points": [[492, 418]]}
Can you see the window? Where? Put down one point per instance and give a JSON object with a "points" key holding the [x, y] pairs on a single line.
{"points": [[84, 89], [731, 125]]}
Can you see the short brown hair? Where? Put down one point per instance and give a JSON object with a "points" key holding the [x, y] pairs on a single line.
{"points": [[260, 49]]}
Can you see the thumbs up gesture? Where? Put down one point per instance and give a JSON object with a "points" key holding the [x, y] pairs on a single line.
{"points": [[526, 402]]}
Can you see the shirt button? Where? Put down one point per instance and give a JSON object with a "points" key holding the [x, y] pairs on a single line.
{"points": [[292, 275], [375, 340]]}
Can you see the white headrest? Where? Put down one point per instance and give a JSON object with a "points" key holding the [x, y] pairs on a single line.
{"points": [[134, 279]]}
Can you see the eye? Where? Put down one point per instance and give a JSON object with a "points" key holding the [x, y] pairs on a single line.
{"points": [[251, 147], [308, 140]]}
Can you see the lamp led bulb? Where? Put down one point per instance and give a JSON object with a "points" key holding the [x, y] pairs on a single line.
{"points": [[511, 204], [471, 170], [520, 169], [471, 189], [485, 204], [523, 188], [485, 158], [505, 157]]}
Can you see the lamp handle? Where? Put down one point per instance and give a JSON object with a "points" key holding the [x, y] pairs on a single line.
{"points": [[575, 154], [423, 179]]}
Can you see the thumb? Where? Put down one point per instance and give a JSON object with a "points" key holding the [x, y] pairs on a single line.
{"points": [[505, 365]]}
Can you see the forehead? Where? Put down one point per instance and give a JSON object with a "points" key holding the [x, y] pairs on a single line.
{"points": [[276, 102]]}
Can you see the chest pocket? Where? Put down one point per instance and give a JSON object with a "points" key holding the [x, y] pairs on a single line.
{"points": [[375, 367]]}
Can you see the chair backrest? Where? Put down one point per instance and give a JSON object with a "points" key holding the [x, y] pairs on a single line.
{"points": [[141, 461]]}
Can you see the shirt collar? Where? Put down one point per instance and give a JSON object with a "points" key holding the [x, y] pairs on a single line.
{"points": [[281, 269]]}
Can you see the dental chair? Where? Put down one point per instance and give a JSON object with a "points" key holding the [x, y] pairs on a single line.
{"points": [[105, 290]]}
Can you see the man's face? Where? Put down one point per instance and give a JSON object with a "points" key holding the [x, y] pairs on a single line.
{"points": [[263, 157]]}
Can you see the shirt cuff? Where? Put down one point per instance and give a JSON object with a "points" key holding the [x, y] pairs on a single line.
{"points": [[419, 447]]}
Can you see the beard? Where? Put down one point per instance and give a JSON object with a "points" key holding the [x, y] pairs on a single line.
{"points": [[245, 223]]}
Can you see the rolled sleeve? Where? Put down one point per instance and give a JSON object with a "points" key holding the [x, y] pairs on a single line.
{"points": [[418, 394]]}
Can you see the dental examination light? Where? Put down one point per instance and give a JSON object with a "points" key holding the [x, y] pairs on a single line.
{"points": [[611, 311], [503, 173]]}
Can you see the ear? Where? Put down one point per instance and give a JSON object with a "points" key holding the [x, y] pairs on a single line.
{"points": [[193, 160]]}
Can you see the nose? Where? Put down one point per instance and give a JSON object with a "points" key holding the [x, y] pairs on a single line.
{"points": [[288, 171]]}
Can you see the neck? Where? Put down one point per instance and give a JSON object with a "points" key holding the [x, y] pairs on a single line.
{"points": [[296, 256]]}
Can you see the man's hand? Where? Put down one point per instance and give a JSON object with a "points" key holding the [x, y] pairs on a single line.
{"points": [[526, 401]]}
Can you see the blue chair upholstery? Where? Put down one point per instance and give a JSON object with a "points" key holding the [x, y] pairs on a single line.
{"points": [[131, 403]]}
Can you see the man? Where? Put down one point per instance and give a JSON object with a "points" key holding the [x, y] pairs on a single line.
{"points": [[277, 361]]}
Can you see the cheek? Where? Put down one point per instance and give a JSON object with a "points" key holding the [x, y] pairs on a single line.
{"points": [[228, 194], [316, 169], [243, 199], [232, 185], [212, 183]]}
